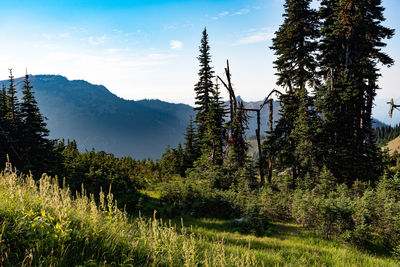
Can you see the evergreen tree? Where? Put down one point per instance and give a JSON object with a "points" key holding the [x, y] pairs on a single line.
{"points": [[295, 45], [3, 102], [203, 89], [3, 121], [33, 142], [13, 123], [238, 146], [190, 150], [352, 39], [214, 138], [305, 137]]}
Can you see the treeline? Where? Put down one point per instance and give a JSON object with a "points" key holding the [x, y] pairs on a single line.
{"points": [[385, 134]]}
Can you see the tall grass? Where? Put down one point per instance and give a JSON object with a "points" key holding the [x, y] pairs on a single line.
{"points": [[42, 225]]}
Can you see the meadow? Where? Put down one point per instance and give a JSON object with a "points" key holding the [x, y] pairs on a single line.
{"points": [[43, 224]]}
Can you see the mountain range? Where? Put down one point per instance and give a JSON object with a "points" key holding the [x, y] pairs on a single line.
{"points": [[97, 118]]}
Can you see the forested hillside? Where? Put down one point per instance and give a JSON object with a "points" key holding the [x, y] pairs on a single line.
{"points": [[96, 118]]}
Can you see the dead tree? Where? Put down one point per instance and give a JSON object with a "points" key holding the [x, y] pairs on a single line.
{"points": [[234, 109], [392, 107], [270, 102]]}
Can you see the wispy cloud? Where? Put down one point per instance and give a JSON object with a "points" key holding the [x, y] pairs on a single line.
{"points": [[223, 13], [176, 45], [257, 37], [243, 11]]}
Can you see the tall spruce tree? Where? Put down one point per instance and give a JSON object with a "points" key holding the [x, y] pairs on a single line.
{"points": [[203, 89], [190, 142], [214, 137], [3, 102], [13, 123], [351, 43], [34, 144], [238, 146], [3, 125], [295, 46]]}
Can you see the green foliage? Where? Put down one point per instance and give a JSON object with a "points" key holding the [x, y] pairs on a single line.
{"points": [[295, 45], [385, 134], [238, 147], [203, 89], [351, 50], [173, 162], [95, 170]]}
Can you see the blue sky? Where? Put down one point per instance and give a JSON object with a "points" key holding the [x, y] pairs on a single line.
{"points": [[148, 49]]}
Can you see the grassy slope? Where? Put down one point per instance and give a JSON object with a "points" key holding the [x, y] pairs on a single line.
{"points": [[42, 225], [285, 244], [393, 145]]}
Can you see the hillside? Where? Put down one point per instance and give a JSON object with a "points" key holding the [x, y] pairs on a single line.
{"points": [[393, 145], [98, 119]]}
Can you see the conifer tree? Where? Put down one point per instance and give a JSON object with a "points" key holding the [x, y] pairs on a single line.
{"points": [[3, 121], [3, 102], [352, 39], [295, 45], [238, 145], [13, 122], [190, 150], [214, 137], [203, 89], [13, 106], [33, 142]]}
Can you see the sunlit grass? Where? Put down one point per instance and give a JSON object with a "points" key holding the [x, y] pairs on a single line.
{"points": [[42, 225]]}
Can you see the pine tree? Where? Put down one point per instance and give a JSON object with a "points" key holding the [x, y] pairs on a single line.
{"points": [[3, 126], [238, 145], [3, 102], [13, 123], [34, 142], [203, 89], [306, 152], [295, 46], [213, 143], [13, 106], [352, 39], [190, 150]]}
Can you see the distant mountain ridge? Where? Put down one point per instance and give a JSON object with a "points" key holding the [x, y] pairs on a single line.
{"points": [[96, 118]]}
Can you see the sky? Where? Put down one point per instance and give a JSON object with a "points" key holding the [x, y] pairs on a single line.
{"points": [[148, 49]]}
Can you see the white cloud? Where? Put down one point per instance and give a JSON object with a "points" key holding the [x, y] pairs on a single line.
{"points": [[223, 13], [243, 11], [258, 37], [176, 45]]}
